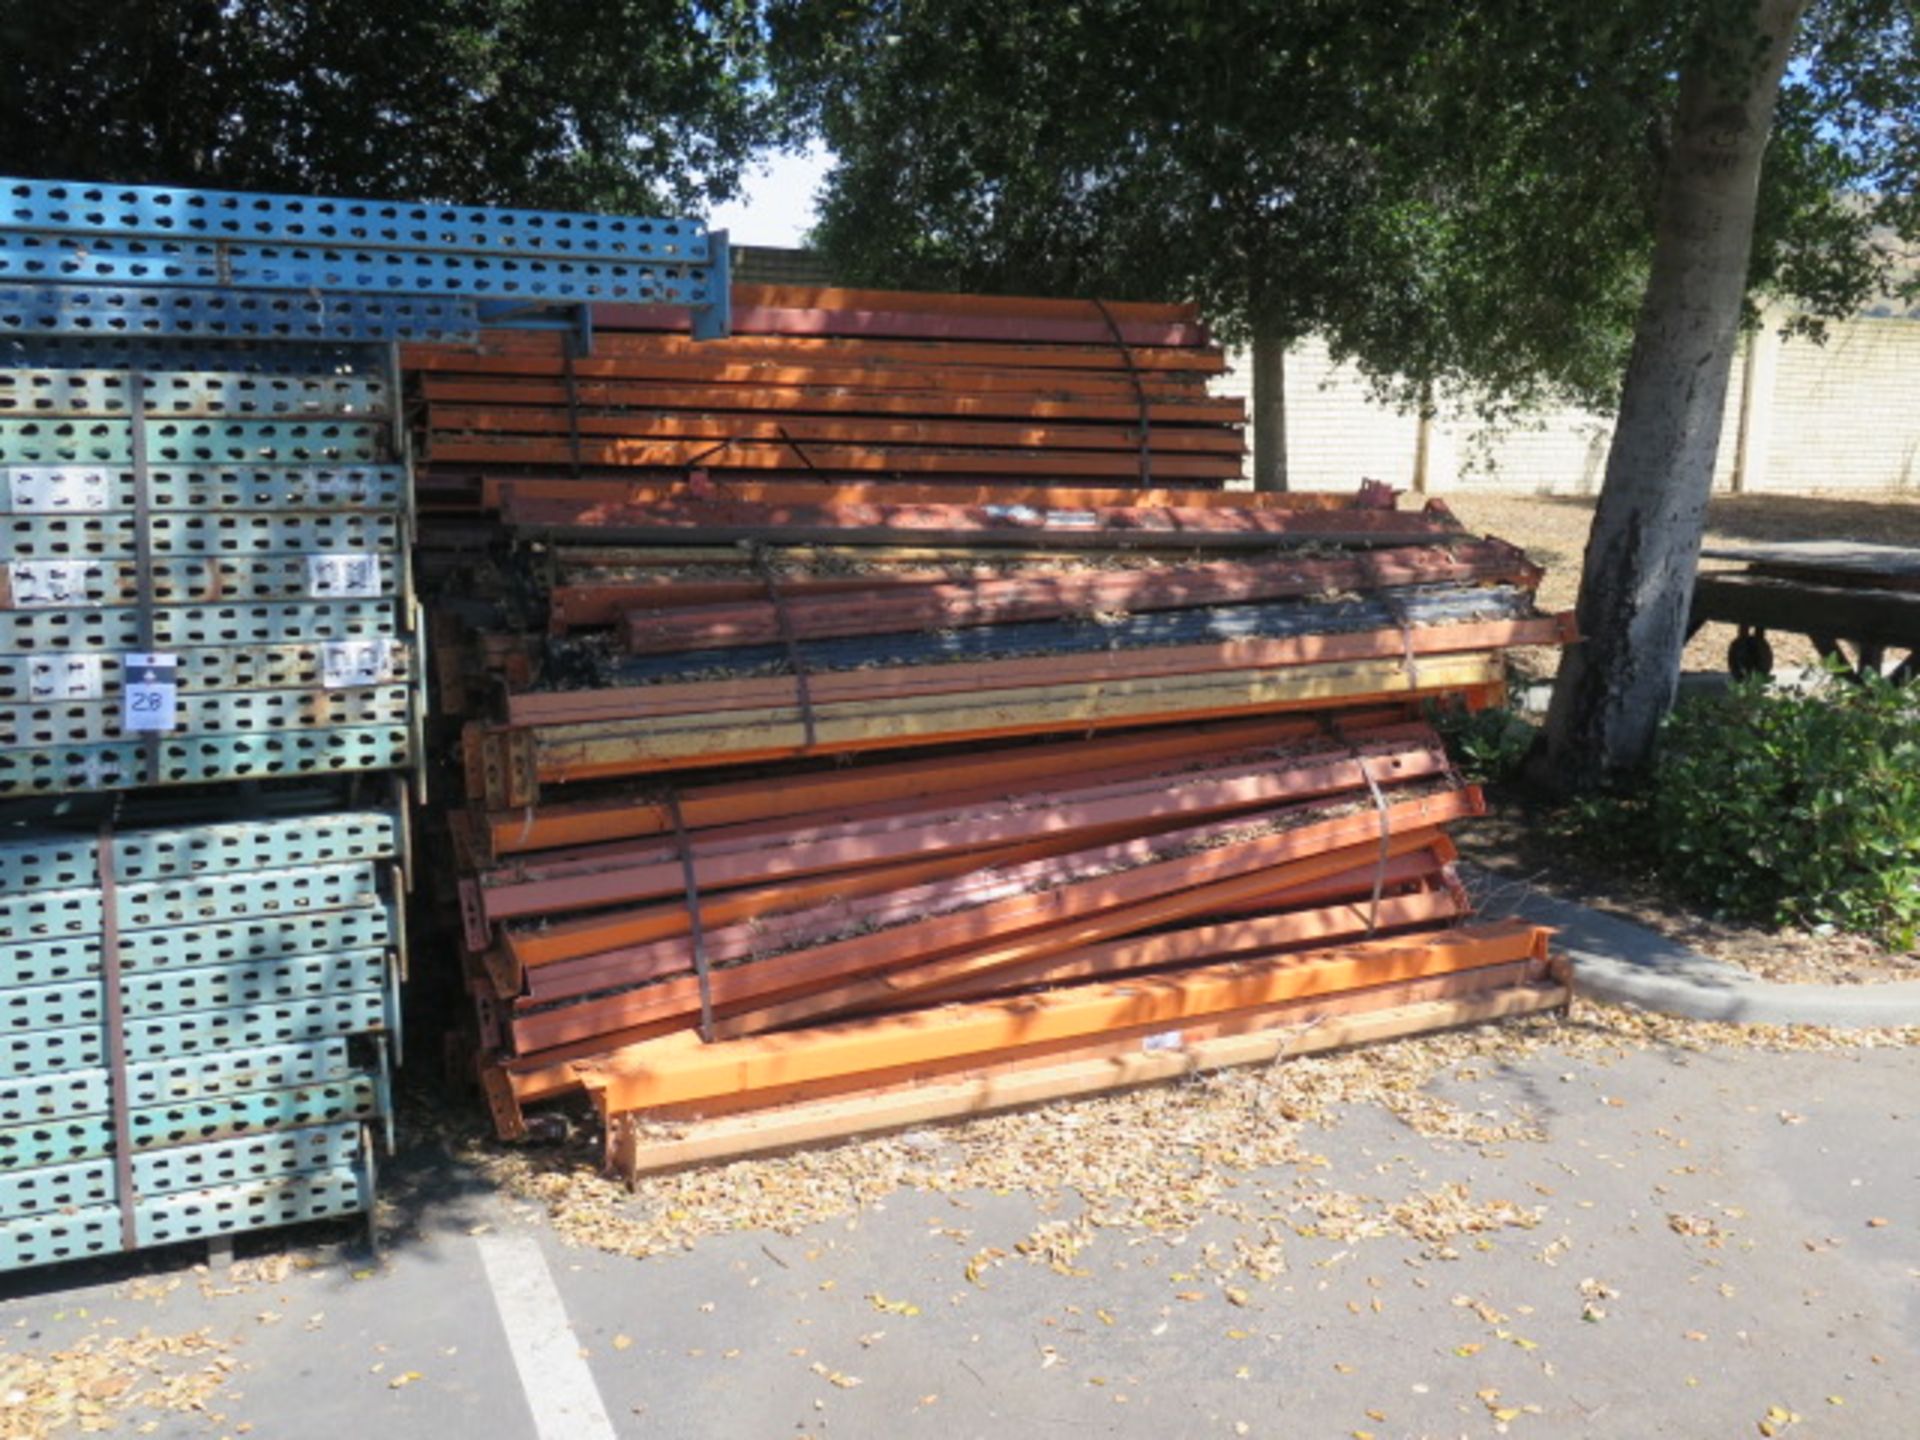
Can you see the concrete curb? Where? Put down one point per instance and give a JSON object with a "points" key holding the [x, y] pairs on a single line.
{"points": [[1628, 964]]}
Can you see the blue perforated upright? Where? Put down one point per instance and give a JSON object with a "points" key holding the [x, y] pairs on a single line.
{"points": [[257, 1011], [205, 522]]}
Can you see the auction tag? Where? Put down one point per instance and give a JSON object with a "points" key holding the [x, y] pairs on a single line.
{"points": [[48, 584], [57, 489], [149, 697], [64, 677], [352, 576], [345, 664]]}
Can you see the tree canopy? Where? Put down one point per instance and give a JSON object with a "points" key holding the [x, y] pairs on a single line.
{"points": [[623, 105], [1455, 195]]}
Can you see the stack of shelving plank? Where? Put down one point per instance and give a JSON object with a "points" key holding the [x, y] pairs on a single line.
{"points": [[248, 537], [200, 1018], [836, 385], [210, 696]]}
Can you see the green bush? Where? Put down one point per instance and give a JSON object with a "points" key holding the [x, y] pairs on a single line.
{"points": [[1488, 746], [1789, 807]]}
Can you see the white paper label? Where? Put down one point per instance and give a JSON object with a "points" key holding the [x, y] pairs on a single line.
{"points": [[58, 489], [46, 584], [149, 698], [64, 677], [348, 663], [1164, 1040], [343, 577]]}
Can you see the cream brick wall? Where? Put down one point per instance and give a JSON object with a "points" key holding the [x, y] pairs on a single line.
{"points": [[1843, 415], [1847, 414]]}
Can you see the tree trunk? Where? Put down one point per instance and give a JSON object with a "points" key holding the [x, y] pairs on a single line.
{"points": [[1269, 409], [1644, 546]]}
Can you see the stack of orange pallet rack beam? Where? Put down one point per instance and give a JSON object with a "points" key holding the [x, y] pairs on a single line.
{"points": [[839, 385], [794, 806]]}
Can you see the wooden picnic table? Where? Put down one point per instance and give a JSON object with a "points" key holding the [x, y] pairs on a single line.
{"points": [[1859, 603]]}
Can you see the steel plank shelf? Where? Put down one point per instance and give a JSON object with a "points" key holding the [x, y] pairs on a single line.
{"points": [[184, 393], [141, 312], [190, 900], [24, 1147], [93, 722], [228, 942], [202, 759], [38, 585], [171, 1037], [251, 357], [38, 258], [78, 207], [173, 852], [91, 489], [178, 627], [89, 1092], [329, 665], [82, 537], [193, 442], [187, 1215], [242, 1160], [177, 992]]}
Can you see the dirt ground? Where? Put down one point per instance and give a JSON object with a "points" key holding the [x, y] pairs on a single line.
{"points": [[1553, 530]]}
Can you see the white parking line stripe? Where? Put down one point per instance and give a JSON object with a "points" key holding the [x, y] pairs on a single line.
{"points": [[559, 1388]]}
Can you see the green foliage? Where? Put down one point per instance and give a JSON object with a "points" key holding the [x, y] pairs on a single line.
{"points": [[625, 105], [1783, 806], [1488, 746], [1458, 195]]}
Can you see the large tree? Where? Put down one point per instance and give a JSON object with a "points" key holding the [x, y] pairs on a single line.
{"points": [[627, 105], [1848, 121]]}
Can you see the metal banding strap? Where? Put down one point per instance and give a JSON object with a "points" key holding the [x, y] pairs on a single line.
{"points": [[143, 541], [794, 445], [115, 1031], [1139, 394], [699, 932], [795, 659], [1408, 661], [573, 401], [1386, 844]]}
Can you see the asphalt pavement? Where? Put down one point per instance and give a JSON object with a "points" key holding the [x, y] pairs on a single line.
{"points": [[1712, 1244]]}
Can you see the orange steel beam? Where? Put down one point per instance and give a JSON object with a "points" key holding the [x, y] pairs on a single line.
{"points": [[443, 448], [1094, 778], [513, 759], [1114, 1060], [679, 1068], [822, 996], [570, 939], [823, 688], [1185, 886], [654, 423], [939, 602], [856, 784], [628, 489], [872, 358], [1117, 809], [714, 519], [1167, 410], [840, 915], [1269, 934]]}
